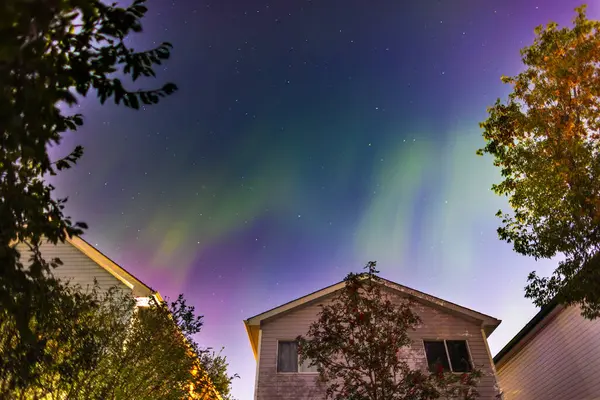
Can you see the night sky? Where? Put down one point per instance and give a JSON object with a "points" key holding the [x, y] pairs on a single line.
{"points": [[307, 138]]}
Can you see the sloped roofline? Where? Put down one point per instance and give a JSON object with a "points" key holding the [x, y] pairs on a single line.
{"points": [[252, 324], [138, 288], [544, 316]]}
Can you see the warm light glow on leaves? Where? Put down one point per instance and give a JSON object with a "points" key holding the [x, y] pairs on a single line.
{"points": [[98, 345], [545, 140]]}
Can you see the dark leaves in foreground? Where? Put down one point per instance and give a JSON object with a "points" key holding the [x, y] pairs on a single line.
{"points": [[51, 54]]}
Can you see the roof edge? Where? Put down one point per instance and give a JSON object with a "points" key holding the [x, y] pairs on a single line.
{"points": [[526, 330], [255, 320], [110, 266], [486, 319], [252, 342]]}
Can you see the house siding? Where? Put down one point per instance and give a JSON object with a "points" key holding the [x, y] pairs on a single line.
{"points": [[436, 324], [77, 267], [561, 361]]}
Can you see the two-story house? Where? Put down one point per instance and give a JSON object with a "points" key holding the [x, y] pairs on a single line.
{"points": [[448, 332]]}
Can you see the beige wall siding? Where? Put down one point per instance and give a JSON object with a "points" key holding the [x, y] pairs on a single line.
{"points": [[436, 324], [270, 384], [78, 268], [562, 361]]}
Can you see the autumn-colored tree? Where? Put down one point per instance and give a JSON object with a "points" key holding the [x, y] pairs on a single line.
{"points": [[355, 344], [51, 53], [545, 140]]}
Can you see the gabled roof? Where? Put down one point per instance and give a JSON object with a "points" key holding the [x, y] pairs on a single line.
{"points": [[138, 288], [252, 324], [545, 314]]}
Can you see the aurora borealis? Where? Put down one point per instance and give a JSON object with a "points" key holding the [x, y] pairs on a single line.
{"points": [[307, 138]]}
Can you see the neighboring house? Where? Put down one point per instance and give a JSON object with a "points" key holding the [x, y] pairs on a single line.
{"points": [[82, 264], [555, 356], [445, 326]]}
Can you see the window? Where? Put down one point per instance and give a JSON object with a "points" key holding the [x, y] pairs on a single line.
{"points": [[287, 357], [436, 355], [452, 355], [288, 360], [305, 367], [459, 355]]}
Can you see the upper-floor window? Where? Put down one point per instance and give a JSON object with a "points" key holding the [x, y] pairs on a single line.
{"points": [[288, 360], [452, 355]]}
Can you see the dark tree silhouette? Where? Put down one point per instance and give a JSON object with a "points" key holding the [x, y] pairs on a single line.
{"points": [[355, 345], [50, 53]]}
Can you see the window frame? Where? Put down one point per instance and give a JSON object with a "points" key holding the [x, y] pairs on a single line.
{"points": [[297, 366], [448, 353]]}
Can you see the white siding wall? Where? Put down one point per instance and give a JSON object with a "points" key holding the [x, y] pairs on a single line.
{"points": [[562, 361], [78, 268]]}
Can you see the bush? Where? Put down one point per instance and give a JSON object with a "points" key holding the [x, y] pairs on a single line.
{"points": [[98, 345]]}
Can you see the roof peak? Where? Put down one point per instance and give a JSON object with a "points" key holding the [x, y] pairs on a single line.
{"points": [[488, 323]]}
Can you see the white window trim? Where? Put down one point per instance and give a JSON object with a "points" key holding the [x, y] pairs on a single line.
{"points": [[298, 372], [448, 353]]}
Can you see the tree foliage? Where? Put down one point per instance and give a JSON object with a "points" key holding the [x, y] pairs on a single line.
{"points": [[60, 316], [97, 345], [50, 53], [545, 140], [355, 345], [216, 367]]}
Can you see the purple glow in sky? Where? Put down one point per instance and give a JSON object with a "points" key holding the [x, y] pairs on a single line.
{"points": [[307, 138]]}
